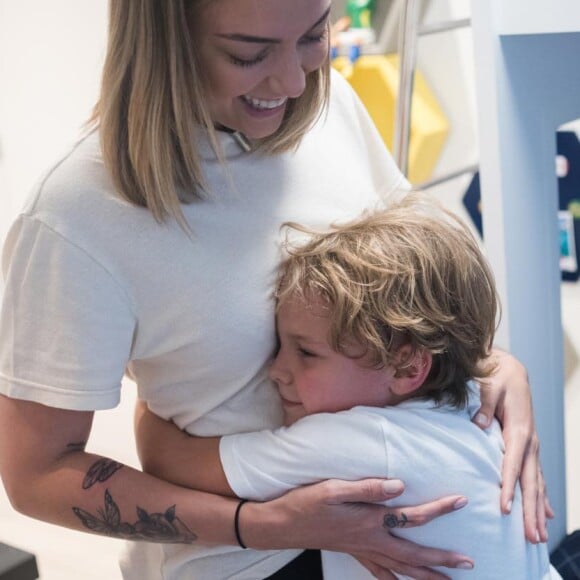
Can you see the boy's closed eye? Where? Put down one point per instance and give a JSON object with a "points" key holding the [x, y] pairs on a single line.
{"points": [[306, 352]]}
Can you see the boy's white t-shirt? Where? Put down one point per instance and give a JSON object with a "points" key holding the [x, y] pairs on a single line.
{"points": [[436, 451]]}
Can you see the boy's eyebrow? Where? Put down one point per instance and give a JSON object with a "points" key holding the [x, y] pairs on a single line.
{"points": [[304, 338], [265, 40]]}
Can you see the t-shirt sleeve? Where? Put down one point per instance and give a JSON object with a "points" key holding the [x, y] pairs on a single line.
{"points": [[266, 464], [66, 326], [389, 182]]}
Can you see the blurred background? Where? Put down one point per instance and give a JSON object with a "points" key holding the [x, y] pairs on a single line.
{"points": [[50, 59]]}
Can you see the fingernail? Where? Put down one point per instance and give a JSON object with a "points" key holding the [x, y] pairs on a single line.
{"points": [[465, 565], [508, 506], [393, 486], [481, 419], [460, 503], [538, 539]]}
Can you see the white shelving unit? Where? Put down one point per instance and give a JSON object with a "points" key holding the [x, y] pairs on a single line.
{"points": [[528, 83]]}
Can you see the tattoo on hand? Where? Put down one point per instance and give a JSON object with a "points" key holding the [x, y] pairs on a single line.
{"points": [[155, 527], [391, 521], [100, 471]]}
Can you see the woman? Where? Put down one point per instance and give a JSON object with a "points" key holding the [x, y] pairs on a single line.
{"points": [[151, 249]]}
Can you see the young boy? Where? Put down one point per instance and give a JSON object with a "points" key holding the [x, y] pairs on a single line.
{"points": [[382, 323]]}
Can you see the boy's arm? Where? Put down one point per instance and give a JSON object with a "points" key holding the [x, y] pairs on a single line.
{"points": [[175, 456], [265, 464]]}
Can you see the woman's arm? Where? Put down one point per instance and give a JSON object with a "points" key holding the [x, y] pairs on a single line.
{"points": [[507, 396], [48, 475]]}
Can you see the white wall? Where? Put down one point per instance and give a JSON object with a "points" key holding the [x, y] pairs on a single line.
{"points": [[50, 59]]}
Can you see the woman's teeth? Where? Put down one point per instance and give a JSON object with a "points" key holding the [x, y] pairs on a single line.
{"points": [[264, 104]]}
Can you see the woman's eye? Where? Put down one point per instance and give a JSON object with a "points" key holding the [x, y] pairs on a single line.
{"points": [[314, 38], [247, 62]]}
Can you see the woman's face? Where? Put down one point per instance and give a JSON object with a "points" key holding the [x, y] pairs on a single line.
{"points": [[254, 56]]}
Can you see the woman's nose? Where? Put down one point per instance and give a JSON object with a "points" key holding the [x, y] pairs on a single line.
{"points": [[289, 79]]}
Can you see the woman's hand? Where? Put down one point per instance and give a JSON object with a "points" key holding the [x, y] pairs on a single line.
{"points": [[339, 516], [506, 395]]}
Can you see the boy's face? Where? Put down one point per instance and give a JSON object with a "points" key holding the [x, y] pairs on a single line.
{"points": [[314, 378]]}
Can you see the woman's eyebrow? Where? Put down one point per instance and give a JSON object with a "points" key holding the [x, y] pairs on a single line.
{"points": [[265, 40]]}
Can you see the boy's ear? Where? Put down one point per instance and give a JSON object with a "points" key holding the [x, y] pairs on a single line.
{"points": [[415, 372]]}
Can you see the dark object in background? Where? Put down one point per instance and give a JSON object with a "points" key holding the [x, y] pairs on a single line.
{"points": [[472, 202], [17, 564], [568, 175], [566, 557], [568, 171]]}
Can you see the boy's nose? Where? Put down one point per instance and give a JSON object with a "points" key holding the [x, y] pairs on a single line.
{"points": [[278, 373]]}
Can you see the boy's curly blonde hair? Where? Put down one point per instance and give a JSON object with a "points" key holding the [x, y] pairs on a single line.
{"points": [[409, 274]]}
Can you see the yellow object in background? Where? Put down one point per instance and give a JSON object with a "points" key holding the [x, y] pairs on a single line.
{"points": [[375, 78]]}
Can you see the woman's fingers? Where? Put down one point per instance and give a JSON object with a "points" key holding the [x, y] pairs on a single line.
{"points": [[365, 491], [530, 490], [404, 555], [520, 463], [541, 507], [413, 560], [339, 516], [376, 570], [490, 399], [506, 394], [548, 509], [412, 516]]}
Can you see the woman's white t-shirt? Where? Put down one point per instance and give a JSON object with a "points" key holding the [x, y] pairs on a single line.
{"points": [[96, 288]]}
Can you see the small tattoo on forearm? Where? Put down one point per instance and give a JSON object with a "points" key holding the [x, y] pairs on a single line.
{"points": [[100, 471], [391, 521], [155, 527]]}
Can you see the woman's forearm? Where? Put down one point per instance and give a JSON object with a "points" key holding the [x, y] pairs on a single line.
{"points": [[95, 494], [48, 475]]}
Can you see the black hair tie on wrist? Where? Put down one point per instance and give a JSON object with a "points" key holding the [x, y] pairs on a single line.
{"points": [[237, 524]]}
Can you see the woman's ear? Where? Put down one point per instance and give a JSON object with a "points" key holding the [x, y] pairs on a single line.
{"points": [[414, 372]]}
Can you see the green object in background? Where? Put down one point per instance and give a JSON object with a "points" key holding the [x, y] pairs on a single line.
{"points": [[360, 13], [574, 208]]}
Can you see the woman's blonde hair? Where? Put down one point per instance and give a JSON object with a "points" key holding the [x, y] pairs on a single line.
{"points": [[412, 274], [152, 105]]}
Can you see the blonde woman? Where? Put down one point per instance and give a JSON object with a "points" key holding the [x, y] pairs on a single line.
{"points": [[151, 250]]}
